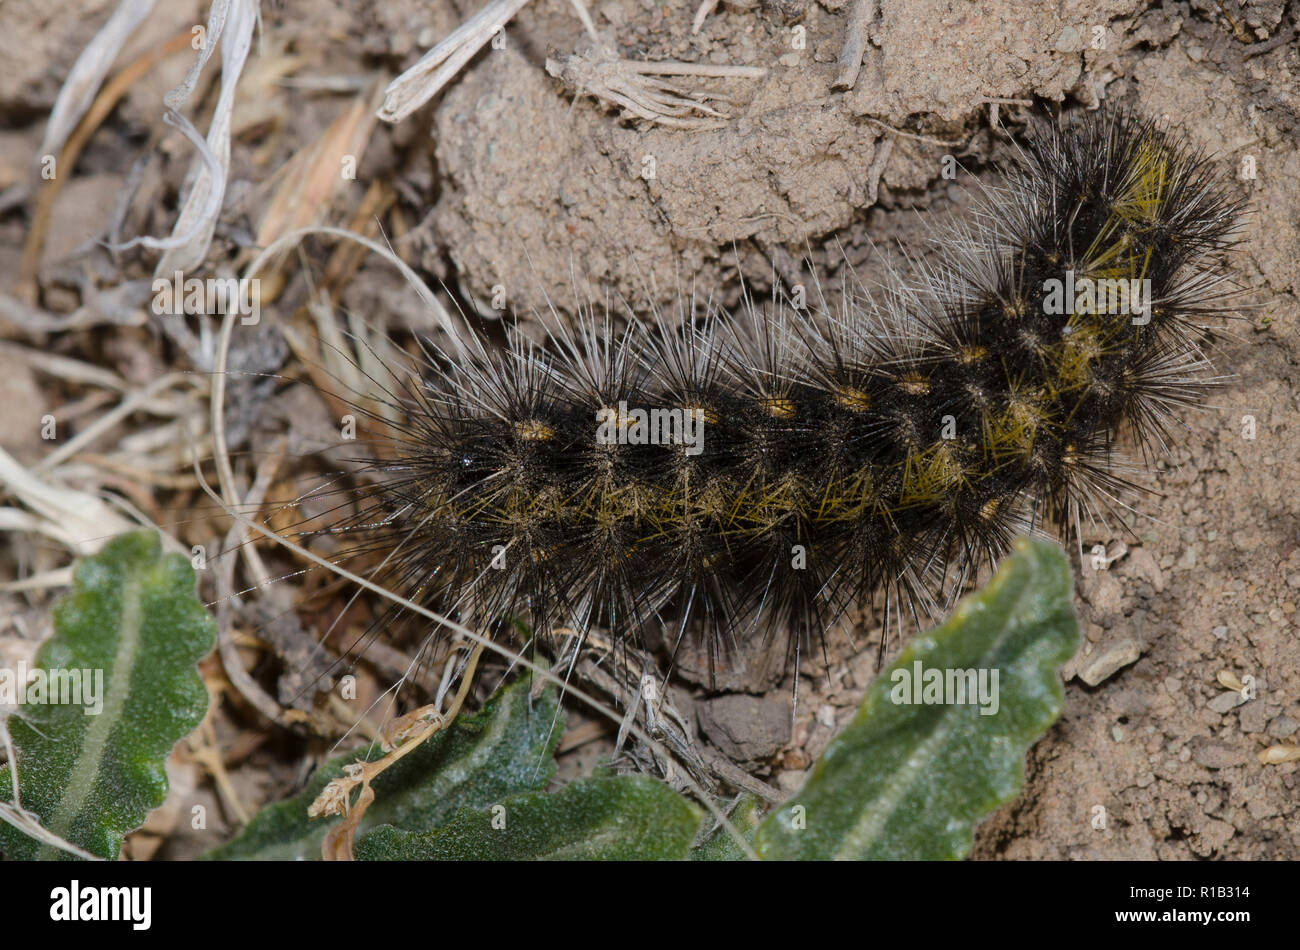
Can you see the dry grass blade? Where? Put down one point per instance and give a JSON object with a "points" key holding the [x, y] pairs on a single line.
{"points": [[407, 735], [439, 312], [637, 88], [309, 178], [437, 67], [104, 104], [121, 305], [702, 13], [78, 520], [237, 540], [440, 65], [29, 825], [88, 72], [130, 404], [192, 233]]}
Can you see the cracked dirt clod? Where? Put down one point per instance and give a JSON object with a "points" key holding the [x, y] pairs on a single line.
{"points": [[747, 728], [539, 188]]}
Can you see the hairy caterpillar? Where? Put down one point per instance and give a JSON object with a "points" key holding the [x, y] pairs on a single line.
{"points": [[749, 476]]}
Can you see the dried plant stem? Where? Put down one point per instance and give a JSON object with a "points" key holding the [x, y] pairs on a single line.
{"points": [[236, 539], [855, 43], [634, 86], [109, 96], [130, 404], [437, 67], [412, 731], [203, 750], [702, 13]]}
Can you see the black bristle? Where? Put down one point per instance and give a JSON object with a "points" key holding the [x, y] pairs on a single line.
{"points": [[894, 444]]}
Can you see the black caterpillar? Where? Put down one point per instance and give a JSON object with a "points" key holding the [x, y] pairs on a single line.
{"points": [[816, 456]]}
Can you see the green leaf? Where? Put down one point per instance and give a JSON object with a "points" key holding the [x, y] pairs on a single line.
{"points": [[503, 749], [628, 818], [91, 778], [911, 781], [718, 844]]}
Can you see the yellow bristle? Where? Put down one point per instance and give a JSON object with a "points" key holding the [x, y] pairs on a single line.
{"points": [[534, 431], [931, 475], [777, 407], [854, 400], [914, 384]]}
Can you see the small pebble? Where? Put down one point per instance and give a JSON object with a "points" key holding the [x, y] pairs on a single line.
{"points": [[1219, 755], [1068, 40], [1225, 701], [1283, 726], [1110, 661]]}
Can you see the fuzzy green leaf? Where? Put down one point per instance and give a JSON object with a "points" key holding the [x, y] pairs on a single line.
{"points": [[503, 749], [907, 781], [92, 778], [718, 844], [627, 818]]}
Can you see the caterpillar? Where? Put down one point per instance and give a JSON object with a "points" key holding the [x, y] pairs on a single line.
{"points": [[745, 476]]}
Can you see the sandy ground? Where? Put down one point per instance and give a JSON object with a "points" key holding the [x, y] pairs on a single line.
{"points": [[507, 185]]}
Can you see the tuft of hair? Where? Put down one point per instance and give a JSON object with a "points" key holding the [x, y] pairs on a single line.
{"points": [[749, 476]]}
